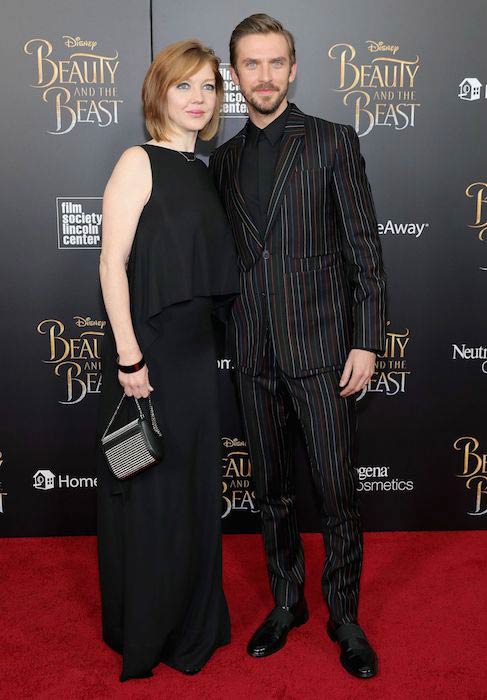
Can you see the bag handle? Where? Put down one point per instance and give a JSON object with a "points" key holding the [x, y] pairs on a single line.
{"points": [[141, 414]]}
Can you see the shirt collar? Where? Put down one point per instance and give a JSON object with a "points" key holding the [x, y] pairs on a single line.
{"points": [[273, 131]]}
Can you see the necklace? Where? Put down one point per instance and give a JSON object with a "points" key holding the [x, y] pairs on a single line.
{"points": [[190, 160]]}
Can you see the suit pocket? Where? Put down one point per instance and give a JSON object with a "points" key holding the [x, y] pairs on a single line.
{"points": [[312, 262], [317, 316]]}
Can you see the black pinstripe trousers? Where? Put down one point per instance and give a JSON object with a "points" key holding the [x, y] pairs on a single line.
{"points": [[329, 425]]}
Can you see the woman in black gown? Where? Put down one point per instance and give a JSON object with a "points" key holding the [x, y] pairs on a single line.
{"points": [[167, 262]]}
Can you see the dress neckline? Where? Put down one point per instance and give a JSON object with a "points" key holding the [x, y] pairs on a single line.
{"points": [[172, 150]]}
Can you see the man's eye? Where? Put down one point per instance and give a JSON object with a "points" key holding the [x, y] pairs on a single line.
{"points": [[251, 64], [278, 63]]}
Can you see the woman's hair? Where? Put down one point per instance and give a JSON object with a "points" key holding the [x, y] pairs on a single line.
{"points": [[260, 24], [172, 65]]}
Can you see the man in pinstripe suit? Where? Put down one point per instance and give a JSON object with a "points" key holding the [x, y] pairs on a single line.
{"points": [[306, 327]]}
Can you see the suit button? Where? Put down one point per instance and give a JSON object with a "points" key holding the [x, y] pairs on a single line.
{"points": [[266, 255]]}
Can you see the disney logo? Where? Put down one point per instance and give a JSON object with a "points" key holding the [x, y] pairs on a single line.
{"points": [[88, 321], [233, 442], [376, 46], [71, 42]]}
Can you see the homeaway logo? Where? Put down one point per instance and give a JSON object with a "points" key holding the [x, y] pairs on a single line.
{"points": [[45, 480], [471, 89], [409, 229]]}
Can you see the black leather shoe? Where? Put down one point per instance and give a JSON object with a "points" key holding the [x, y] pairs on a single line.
{"points": [[272, 634], [357, 656]]}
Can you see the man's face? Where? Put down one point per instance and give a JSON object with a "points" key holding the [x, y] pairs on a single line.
{"points": [[263, 71]]}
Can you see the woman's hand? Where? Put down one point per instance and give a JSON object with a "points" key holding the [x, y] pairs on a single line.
{"points": [[136, 384]]}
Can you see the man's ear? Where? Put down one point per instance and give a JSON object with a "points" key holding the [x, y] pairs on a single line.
{"points": [[234, 75], [292, 73]]}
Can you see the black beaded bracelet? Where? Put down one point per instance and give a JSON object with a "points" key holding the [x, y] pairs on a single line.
{"points": [[129, 369]]}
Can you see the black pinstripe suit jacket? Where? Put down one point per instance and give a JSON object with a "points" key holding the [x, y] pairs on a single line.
{"points": [[314, 278]]}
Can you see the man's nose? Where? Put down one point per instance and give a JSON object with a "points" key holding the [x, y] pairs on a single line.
{"points": [[264, 74]]}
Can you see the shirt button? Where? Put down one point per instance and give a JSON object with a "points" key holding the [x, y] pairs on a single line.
{"points": [[266, 255]]}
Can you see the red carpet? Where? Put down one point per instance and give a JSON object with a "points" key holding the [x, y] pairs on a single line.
{"points": [[423, 607]]}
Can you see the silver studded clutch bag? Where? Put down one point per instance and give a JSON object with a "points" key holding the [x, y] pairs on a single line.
{"points": [[135, 446]]}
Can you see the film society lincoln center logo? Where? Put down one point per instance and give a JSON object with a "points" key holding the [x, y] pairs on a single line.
{"points": [[76, 80], [233, 101], [378, 83], [74, 355], [79, 221]]}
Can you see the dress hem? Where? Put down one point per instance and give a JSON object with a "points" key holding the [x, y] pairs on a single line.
{"points": [[149, 673]]}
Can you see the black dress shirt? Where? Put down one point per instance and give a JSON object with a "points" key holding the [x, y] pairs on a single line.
{"points": [[259, 159]]}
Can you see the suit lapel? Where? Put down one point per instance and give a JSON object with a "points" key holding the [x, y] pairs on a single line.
{"points": [[291, 145]]}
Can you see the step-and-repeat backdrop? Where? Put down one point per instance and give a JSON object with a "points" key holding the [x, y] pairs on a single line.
{"points": [[411, 77]]}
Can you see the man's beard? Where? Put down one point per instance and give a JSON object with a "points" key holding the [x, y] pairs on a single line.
{"points": [[270, 104]]}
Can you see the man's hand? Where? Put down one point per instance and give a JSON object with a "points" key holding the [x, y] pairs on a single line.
{"points": [[357, 372]]}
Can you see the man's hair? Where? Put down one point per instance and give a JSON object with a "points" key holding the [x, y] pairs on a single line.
{"points": [[260, 24], [172, 65]]}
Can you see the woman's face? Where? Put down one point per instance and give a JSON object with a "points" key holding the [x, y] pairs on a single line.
{"points": [[191, 102]]}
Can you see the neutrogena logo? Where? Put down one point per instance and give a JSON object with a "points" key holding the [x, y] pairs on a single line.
{"points": [[45, 480]]}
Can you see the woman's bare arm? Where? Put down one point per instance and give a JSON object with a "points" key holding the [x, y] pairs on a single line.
{"points": [[126, 193]]}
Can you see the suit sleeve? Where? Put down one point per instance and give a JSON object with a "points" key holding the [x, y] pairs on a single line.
{"points": [[361, 245]]}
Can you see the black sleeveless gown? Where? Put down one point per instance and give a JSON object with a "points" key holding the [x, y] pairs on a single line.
{"points": [[159, 537]]}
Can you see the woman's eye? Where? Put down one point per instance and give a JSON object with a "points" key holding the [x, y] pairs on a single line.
{"points": [[209, 87], [182, 86]]}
